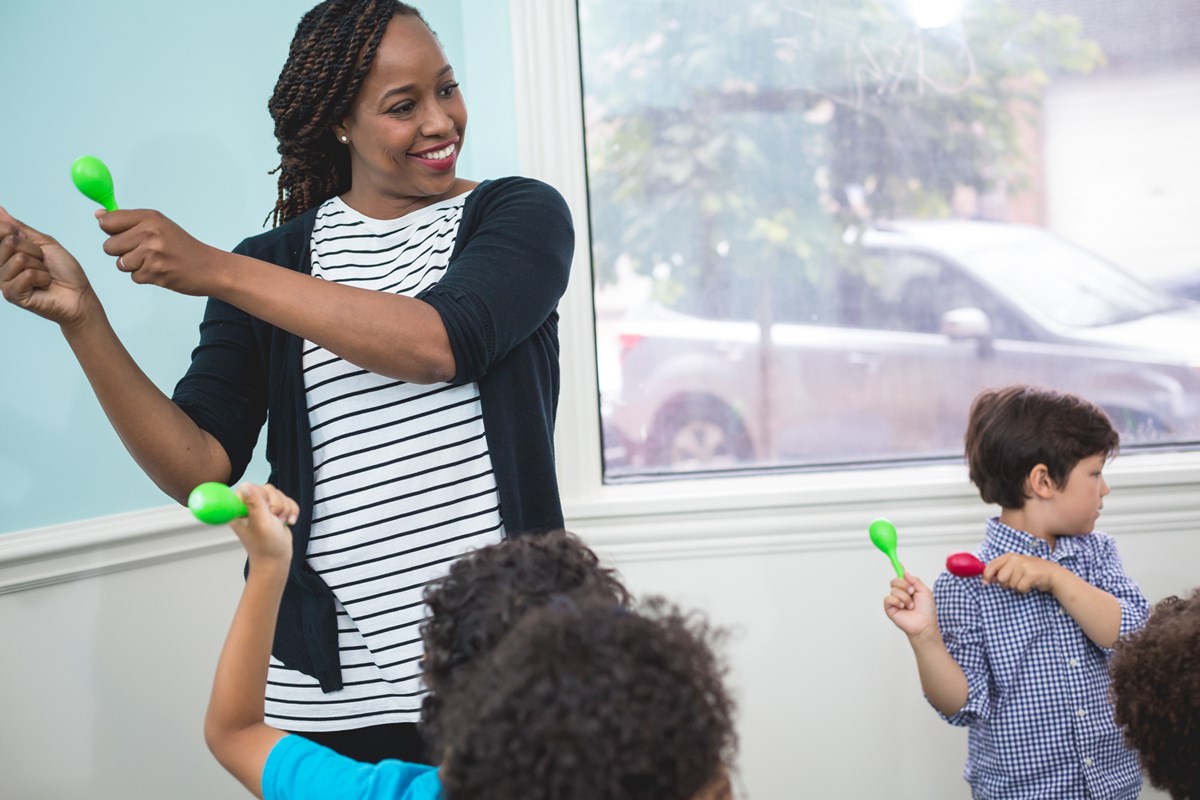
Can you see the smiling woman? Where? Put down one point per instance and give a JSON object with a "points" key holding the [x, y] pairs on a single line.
{"points": [[392, 332]]}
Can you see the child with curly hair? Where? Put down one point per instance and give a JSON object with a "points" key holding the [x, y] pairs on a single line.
{"points": [[1019, 655], [487, 592], [484, 596], [1156, 695], [596, 702]]}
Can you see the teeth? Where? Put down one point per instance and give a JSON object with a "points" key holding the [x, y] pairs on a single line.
{"points": [[445, 152]]}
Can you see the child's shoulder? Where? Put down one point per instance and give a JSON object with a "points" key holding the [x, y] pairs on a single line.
{"points": [[1095, 544]]}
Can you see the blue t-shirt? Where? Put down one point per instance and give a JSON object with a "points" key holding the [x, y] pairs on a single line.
{"points": [[298, 768]]}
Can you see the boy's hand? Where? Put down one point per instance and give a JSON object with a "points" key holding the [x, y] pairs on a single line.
{"points": [[263, 531], [910, 607], [1022, 573]]}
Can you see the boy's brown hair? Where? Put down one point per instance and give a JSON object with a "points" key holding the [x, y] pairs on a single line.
{"points": [[1012, 430]]}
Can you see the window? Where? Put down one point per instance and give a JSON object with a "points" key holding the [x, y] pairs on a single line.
{"points": [[818, 229]]}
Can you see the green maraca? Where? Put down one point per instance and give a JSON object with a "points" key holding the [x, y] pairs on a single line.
{"points": [[95, 181], [883, 534], [215, 503]]}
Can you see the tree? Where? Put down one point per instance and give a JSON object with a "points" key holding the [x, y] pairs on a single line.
{"points": [[729, 142]]}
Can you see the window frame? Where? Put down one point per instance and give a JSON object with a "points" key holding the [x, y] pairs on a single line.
{"points": [[936, 498]]}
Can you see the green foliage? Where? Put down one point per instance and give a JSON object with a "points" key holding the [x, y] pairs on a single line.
{"points": [[729, 142]]}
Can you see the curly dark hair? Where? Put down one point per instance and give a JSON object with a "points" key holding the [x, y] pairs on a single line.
{"points": [[594, 702], [331, 52], [1012, 430], [1156, 695], [487, 591]]}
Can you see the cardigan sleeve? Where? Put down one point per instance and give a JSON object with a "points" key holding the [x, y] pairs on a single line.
{"points": [[509, 271], [224, 389]]}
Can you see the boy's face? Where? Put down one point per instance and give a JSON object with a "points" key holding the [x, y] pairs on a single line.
{"points": [[1078, 501]]}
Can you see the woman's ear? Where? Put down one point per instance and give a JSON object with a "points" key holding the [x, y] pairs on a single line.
{"points": [[339, 133], [1039, 483]]}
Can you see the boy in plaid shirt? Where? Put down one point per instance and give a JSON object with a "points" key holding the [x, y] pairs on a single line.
{"points": [[1019, 655]]}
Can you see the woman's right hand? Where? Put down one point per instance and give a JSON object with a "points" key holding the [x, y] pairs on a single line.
{"points": [[38, 274]]}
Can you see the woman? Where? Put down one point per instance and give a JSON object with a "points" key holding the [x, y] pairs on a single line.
{"points": [[397, 333]]}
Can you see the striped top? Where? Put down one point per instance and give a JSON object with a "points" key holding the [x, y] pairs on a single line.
{"points": [[403, 482]]}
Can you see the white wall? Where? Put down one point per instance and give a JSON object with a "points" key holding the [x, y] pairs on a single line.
{"points": [[1138, 132], [105, 677], [112, 629]]}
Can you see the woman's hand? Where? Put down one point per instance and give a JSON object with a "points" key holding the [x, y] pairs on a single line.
{"points": [[153, 249], [39, 275]]}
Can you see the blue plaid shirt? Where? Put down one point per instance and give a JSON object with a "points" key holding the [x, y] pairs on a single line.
{"points": [[1041, 725]]}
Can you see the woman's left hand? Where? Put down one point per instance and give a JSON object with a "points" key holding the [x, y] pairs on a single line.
{"points": [[153, 249]]}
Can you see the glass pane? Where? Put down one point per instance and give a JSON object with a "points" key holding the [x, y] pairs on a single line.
{"points": [[821, 227]]}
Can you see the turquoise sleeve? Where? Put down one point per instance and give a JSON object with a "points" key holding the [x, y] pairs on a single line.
{"points": [[299, 769]]}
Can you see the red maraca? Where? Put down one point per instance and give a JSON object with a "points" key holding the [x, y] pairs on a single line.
{"points": [[964, 565]]}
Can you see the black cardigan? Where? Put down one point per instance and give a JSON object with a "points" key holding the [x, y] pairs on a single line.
{"points": [[498, 301]]}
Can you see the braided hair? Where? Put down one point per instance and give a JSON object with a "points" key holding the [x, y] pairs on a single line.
{"points": [[330, 54]]}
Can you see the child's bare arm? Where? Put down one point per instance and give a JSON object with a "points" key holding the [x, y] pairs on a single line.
{"points": [[1097, 612], [234, 727], [911, 608]]}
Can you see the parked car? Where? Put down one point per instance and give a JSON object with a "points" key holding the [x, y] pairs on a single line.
{"points": [[880, 360], [1185, 286]]}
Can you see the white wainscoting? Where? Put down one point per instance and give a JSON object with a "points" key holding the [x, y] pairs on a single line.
{"points": [[112, 629]]}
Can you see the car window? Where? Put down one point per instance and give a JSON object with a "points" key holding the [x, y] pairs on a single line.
{"points": [[1067, 285], [904, 291]]}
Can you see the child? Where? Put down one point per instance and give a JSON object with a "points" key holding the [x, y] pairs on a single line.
{"points": [[269, 762], [665, 656], [482, 597], [485, 593], [1156, 692], [1020, 655], [594, 702]]}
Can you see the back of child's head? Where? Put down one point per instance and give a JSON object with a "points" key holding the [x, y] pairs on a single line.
{"points": [[1012, 430], [487, 591], [594, 702], [1156, 695]]}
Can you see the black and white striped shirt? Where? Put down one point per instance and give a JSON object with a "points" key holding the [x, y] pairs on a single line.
{"points": [[403, 482]]}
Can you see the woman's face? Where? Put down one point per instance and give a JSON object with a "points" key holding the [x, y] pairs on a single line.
{"points": [[405, 128]]}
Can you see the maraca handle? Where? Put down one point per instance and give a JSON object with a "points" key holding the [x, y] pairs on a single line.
{"points": [[896, 565], [215, 503]]}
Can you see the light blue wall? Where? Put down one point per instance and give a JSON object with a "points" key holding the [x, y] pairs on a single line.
{"points": [[173, 97]]}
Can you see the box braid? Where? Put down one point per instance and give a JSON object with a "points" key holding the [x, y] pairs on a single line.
{"points": [[330, 54]]}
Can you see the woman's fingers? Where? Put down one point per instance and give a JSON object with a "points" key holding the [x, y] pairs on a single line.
{"points": [[10, 224]]}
